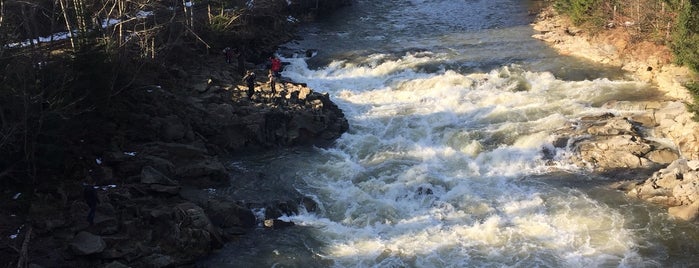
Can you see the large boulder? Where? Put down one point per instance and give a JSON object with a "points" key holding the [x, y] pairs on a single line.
{"points": [[193, 234]]}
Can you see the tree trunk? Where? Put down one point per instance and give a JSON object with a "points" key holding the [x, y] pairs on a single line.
{"points": [[68, 28], [81, 25], [23, 254], [2, 11], [121, 25]]}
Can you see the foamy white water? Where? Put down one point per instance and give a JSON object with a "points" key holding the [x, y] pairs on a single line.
{"points": [[444, 163], [430, 174]]}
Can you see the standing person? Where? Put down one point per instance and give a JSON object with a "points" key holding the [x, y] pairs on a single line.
{"points": [[249, 80], [91, 199], [276, 65], [272, 82]]}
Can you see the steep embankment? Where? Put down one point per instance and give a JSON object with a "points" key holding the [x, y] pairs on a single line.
{"points": [[644, 136]]}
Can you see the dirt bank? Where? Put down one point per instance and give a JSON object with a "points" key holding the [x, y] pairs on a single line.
{"points": [[644, 60]]}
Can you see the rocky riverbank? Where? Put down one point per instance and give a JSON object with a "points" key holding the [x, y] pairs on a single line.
{"points": [[652, 147], [156, 162]]}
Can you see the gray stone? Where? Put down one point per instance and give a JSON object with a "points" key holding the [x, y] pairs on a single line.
{"points": [[158, 260], [86, 244], [173, 190], [226, 214], [150, 175], [173, 128], [116, 264]]}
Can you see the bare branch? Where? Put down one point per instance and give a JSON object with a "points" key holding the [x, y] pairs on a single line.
{"points": [[2, 11], [65, 17]]}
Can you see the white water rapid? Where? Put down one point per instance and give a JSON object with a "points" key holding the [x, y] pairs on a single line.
{"points": [[432, 171], [444, 163]]}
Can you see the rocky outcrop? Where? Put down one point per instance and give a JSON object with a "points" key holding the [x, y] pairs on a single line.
{"points": [[155, 206], [648, 135], [232, 122], [676, 186], [609, 143]]}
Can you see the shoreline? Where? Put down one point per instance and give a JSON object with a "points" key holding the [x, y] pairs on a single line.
{"points": [[634, 140], [645, 61]]}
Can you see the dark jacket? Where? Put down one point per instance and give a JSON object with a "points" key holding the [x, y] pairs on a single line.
{"points": [[249, 79]]}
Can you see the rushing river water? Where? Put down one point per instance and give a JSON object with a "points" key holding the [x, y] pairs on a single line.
{"points": [[450, 105]]}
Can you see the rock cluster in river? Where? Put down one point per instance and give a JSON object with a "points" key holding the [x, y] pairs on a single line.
{"points": [[158, 204], [658, 137]]}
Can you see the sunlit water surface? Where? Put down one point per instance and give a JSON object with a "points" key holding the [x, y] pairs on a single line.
{"points": [[451, 105]]}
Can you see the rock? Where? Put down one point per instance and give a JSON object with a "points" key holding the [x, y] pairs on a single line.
{"points": [[613, 126], [106, 224], [115, 264], [662, 156], [278, 224], [202, 173], [85, 243], [150, 175], [309, 204], [693, 165], [616, 152], [196, 196], [227, 214], [158, 188], [676, 186], [157, 260], [687, 212], [111, 254], [194, 234], [172, 128]]}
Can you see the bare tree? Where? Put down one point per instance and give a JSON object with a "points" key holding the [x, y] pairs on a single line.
{"points": [[2, 11], [64, 10]]}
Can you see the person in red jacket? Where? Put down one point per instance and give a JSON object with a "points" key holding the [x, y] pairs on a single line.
{"points": [[276, 65]]}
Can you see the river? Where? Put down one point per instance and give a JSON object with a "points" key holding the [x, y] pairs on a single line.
{"points": [[451, 106]]}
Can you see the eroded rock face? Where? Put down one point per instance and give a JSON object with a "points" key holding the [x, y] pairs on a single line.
{"points": [[676, 186], [675, 123], [608, 142]]}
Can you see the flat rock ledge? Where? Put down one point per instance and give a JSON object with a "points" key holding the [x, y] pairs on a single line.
{"points": [[652, 147]]}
